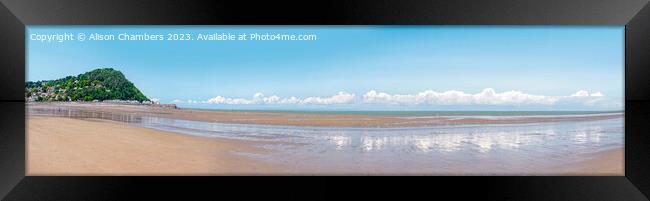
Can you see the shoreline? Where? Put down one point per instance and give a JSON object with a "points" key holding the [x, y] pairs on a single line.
{"points": [[66, 146], [308, 119], [101, 142]]}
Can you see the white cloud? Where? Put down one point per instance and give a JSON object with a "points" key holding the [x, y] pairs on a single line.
{"points": [[597, 94], [340, 98], [487, 96], [231, 101], [291, 100], [589, 99], [260, 98], [583, 93]]}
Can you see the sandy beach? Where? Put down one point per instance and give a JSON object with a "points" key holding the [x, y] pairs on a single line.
{"points": [[604, 163], [104, 143], [64, 146], [304, 119]]}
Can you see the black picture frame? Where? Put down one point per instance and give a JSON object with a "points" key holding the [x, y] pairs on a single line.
{"points": [[634, 14]]}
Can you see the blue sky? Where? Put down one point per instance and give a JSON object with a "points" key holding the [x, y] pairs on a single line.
{"points": [[407, 67]]}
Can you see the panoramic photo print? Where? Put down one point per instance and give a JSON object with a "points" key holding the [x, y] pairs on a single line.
{"points": [[325, 100]]}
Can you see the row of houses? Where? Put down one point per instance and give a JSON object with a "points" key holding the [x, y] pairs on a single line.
{"points": [[34, 97]]}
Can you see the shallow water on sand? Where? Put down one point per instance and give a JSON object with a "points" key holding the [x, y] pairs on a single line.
{"points": [[511, 149]]}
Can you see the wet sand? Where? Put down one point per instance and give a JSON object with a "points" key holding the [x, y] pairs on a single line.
{"points": [[64, 146], [69, 146], [307, 119], [604, 163]]}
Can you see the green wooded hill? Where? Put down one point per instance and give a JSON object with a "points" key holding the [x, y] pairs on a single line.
{"points": [[99, 84]]}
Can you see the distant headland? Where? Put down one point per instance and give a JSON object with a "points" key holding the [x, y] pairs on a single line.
{"points": [[103, 84]]}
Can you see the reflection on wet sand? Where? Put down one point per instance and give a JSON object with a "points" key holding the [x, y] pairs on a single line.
{"points": [[520, 148]]}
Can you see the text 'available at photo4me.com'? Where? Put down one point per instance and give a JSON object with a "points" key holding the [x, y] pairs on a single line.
{"points": [[224, 36]]}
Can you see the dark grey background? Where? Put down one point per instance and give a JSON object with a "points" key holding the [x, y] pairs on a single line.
{"points": [[15, 14], [602, 12]]}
